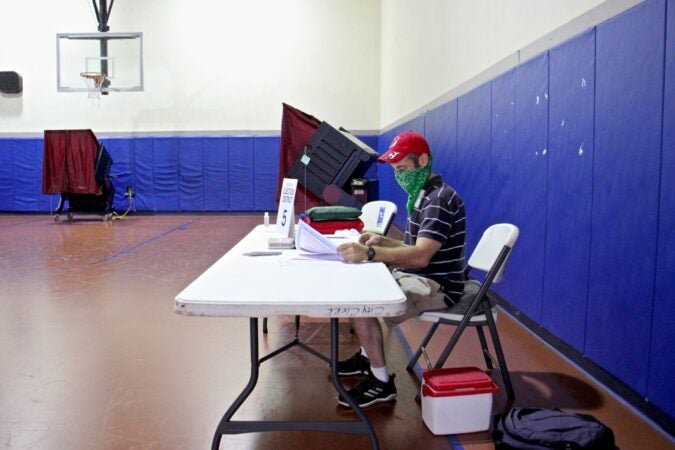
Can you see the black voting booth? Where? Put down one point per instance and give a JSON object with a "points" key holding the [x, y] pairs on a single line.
{"points": [[330, 160], [77, 166]]}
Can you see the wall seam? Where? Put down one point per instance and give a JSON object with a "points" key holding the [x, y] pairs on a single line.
{"points": [[11, 154], [658, 204], [548, 150], [253, 166], [590, 240], [203, 181]]}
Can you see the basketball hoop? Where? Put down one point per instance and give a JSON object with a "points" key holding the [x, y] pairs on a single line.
{"points": [[94, 81]]}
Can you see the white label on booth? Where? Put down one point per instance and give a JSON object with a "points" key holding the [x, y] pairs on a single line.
{"points": [[286, 214]]}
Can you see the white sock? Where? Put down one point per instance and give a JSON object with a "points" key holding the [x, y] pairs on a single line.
{"points": [[380, 373], [363, 352]]}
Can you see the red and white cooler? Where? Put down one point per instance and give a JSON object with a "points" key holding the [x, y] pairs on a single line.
{"points": [[457, 400]]}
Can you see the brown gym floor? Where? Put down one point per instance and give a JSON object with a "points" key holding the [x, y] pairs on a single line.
{"points": [[92, 355]]}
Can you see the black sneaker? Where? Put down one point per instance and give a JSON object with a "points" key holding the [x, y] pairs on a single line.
{"points": [[356, 365], [370, 391]]}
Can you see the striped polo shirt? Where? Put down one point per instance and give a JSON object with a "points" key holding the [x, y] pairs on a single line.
{"points": [[439, 215]]}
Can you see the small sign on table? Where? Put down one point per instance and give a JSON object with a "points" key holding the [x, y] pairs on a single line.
{"points": [[285, 227]]}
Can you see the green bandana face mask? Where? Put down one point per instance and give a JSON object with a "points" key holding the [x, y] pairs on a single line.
{"points": [[412, 181]]}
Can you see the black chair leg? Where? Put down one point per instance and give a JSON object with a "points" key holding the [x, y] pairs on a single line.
{"points": [[484, 347], [297, 325], [422, 346], [500, 358], [449, 347]]}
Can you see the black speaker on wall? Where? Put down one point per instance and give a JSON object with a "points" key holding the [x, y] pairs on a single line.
{"points": [[10, 83]]}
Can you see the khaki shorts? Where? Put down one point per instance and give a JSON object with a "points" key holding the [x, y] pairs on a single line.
{"points": [[422, 294]]}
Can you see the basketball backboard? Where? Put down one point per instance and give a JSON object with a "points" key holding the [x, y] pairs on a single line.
{"points": [[118, 56]]}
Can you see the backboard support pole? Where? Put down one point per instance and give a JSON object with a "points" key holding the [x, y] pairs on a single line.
{"points": [[102, 15]]}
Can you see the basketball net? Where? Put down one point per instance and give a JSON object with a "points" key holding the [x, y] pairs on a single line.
{"points": [[94, 81]]}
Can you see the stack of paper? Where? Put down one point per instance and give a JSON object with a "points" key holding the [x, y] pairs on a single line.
{"points": [[311, 243]]}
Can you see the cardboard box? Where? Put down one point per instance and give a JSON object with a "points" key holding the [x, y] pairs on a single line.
{"points": [[457, 400]]}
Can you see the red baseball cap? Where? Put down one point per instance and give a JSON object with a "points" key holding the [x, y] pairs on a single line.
{"points": [[403, 145]]}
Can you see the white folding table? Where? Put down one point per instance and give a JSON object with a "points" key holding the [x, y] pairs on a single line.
{"points": [[262, 286]]}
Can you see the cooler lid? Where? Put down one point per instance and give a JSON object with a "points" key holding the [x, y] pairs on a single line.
{"points": [[456, 378]]}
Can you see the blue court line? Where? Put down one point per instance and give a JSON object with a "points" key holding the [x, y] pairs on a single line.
{"points": [[143, 243], [183, 226], [452, 439]]}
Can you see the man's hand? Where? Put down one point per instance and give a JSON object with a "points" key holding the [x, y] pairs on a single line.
{"points": [[353, 252], [370, 239]]}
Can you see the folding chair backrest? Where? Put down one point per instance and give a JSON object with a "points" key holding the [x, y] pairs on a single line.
{"points": [[377, 216], [490, 245]]}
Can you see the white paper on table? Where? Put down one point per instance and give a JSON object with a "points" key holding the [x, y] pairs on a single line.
{"points": [[312, 244]]}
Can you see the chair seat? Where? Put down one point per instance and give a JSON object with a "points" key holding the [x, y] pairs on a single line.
{"points": [[451, 317], [456, 312]]}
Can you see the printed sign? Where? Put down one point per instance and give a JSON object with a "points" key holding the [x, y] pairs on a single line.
{"points": [[286, 214]]}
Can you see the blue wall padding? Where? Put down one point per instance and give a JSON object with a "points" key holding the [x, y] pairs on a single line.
{"points": [[166, 174], [190, 179], [660, 387], [472, 179], [440, 130], [628, 112], [503, 155], [266, 170], [525, 187], [216, 174], [570, 177], [144, 175], [370, 141], [122, 171], [21, 176], [6, 176], [241, 174], [503, 145], [196, 173], [27, 184]]}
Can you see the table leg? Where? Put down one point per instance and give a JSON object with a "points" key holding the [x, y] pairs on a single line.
{"points": [[255, 365], [226, 426]]}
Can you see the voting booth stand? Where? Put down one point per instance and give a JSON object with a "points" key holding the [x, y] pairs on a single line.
{"points": [[77, 167]]}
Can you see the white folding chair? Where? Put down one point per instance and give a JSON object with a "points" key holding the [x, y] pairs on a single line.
{"points": [[474, 308], [377, 216]]}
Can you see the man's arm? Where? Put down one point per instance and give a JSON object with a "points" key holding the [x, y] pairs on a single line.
{"points": [[378, 239], [409, 257]]}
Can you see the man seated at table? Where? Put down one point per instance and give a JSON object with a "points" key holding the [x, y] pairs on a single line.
{"points": [[429, 262]]}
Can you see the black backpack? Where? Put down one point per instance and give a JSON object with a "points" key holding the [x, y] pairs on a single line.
{"points": [[535, 429]]}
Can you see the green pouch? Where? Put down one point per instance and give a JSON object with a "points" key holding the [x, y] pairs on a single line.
{"points": [[319, 213]]}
